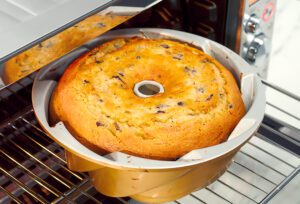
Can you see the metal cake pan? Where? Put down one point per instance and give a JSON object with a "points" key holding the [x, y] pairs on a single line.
{"points": [[148, 180]]}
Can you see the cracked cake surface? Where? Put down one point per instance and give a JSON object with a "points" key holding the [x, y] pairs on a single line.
{"points": [[94, 97]]}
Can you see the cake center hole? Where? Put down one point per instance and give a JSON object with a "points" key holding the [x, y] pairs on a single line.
{"points": [[148, 88]]}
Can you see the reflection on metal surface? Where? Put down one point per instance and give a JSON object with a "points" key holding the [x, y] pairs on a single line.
{"points": [[57, 46], [26, 23]]}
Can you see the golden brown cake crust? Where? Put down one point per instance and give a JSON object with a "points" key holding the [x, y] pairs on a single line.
{"points": [[199, 108], [55, 47]]}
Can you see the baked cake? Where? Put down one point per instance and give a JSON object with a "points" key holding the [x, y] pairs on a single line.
{"points": [[200, 106]]}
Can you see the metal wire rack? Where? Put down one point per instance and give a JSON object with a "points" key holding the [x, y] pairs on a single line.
{"points": [[33, 167]]}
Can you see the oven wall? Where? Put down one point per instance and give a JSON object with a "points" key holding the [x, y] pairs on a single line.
{"points": [[218, 20]]}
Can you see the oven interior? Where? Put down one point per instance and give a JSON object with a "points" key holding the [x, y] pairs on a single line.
{"points": [[33, 167]]}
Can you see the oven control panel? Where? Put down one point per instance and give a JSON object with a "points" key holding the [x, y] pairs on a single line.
{"points": [[257, 32]]}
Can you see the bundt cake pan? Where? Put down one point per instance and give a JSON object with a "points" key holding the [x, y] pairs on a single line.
{"points": [[118, 174]]}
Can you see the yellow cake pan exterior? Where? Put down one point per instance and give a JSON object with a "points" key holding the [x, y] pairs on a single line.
{"points": [[150, 186]]}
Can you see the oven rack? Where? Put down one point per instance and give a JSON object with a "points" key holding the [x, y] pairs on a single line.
{"points": [[33, 167]]}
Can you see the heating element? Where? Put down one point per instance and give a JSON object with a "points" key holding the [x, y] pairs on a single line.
{"points": [[33, 167]]}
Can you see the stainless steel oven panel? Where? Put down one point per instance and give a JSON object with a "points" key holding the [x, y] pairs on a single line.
{"points": [[256, 34]]}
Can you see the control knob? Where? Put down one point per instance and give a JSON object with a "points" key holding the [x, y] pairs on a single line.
{"points": [[257, 49], [252, 24]]}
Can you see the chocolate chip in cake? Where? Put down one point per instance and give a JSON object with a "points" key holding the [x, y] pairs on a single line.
{"points": [[119, 78], [180, 103], [159, 106], [121, 74], [117, 58], [108, 116], [101, 25], [206, 60], [138, 57], [189, 69], [99, 124], [98, 61], [165, 46], [160, 112], [209, 97], [86, 81], [117, 126], [45, 44], [200, 89], [117, 46], [123, 86], [178, 56], [230, 106], [101, 100]]}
